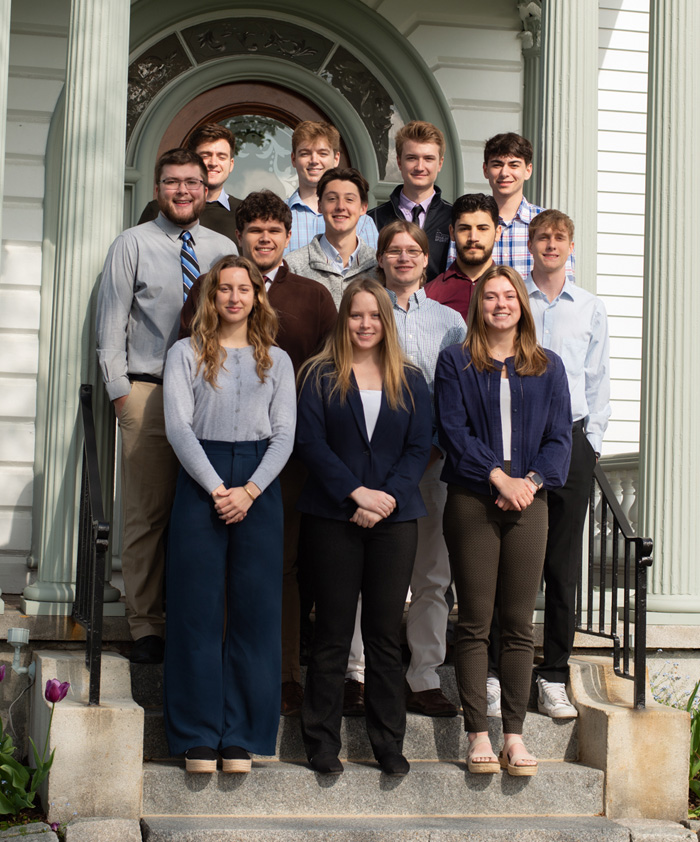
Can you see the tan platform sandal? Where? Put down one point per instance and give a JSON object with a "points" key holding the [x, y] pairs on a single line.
{"points": [[482, 767], [510, 763]]}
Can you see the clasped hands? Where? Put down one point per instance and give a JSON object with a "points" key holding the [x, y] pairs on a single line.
{"points": [[372, 506], [514, 493], [232, 504]]}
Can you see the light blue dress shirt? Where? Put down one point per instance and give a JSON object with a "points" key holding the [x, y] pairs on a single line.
{"points": [[575, 326]]}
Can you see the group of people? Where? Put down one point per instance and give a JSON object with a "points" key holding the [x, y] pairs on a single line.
{"points": [[398, 398]]}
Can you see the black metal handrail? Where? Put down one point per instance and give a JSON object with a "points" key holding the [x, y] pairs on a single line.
{"points": [[93, 539], [636, 551]]}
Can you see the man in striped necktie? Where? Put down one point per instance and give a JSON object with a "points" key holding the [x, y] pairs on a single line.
{"points": [[148, 270]]}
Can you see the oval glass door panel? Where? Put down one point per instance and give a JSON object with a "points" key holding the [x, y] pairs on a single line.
{"points": [[263, 156]]}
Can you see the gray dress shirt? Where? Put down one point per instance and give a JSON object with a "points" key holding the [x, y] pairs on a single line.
{"points": [[140, 298]]}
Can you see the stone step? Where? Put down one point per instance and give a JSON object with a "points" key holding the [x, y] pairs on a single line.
{"points": [[399, 829], [426, 739], [275, 788]]}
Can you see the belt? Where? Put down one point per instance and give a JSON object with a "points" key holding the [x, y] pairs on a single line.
{"points": [[578, 425], [145, 378]]}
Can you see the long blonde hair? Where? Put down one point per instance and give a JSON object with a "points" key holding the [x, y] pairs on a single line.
{"points": [[262, 321], [335, 360], [530, 358]]}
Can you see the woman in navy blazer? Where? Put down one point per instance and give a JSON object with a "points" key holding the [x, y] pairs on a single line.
{"points": [[504, 419], [364, 433]]}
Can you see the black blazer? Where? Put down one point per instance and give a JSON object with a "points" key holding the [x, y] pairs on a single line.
{"points": [[331, 440]]}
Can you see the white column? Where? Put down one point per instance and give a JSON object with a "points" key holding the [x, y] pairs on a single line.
{"points": [[90, 216], [530, 12], [670, 419], [5, 8], [568, 163]]}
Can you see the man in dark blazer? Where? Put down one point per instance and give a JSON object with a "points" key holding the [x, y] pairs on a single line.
{"points": [[420, 151], [306, 316], [216, 146]]}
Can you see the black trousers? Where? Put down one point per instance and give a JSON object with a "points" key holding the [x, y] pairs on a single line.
{"points": [[348, 560], [562, 562]]}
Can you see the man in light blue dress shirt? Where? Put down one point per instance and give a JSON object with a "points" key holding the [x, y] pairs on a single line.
{"points": [[573, 323], [316, 149]]}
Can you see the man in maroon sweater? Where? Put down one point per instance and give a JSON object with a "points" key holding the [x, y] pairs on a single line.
{"points": [[475, 230], [306, 315]]}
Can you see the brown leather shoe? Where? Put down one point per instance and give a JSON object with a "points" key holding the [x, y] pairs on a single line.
{"points": [[354, 698], [430, 703], [292, 698]]}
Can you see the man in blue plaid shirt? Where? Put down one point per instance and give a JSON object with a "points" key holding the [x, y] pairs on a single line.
{"points": [[507, 166]]}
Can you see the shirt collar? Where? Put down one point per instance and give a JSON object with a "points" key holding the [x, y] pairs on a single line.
{"points": [[415, 300], [334, 255], [405, 204], [453, 271], [223, 199], [174, 231], [294, 201], [569, 290]]}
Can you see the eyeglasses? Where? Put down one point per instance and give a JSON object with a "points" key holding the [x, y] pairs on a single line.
{"points": [[192, 184], [395, 254]]}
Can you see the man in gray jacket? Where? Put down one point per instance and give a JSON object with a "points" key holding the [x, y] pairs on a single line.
{"points": [[337, 256]]}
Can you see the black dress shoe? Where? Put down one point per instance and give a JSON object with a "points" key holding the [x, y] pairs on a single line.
{"points": [[148, 650], [200, 760], [394, 764], [292, 698], [353, 698], [326, 763], [430, 703]]}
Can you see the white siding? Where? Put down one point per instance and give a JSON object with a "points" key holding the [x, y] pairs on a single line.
{"points": [[474, 51], [622, 86], [36, 73]]}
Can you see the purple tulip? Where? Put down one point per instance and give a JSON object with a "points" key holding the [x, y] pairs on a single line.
{"points": [[55, 690], [2, 671]]}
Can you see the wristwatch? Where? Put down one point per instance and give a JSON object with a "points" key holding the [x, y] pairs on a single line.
{"points": [[535, 479]]}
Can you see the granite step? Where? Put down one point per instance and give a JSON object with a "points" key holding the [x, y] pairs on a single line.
{"points": [[382, 829], [426, 738], [432, 788]]}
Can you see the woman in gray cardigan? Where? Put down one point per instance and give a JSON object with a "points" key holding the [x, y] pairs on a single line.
{"points": [[230, 412]]}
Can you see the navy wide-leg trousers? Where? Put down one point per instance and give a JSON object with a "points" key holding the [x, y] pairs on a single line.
{"points": [[224, 586]]}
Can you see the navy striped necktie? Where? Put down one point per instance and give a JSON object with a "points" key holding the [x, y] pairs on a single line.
{"points": [[188, 260]]}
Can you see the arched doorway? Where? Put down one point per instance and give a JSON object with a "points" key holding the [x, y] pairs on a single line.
{"points": [[262, 117], [346, 61]]}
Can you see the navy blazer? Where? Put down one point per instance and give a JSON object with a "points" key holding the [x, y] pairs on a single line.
{"points": [[331, 440], [468, 408]]}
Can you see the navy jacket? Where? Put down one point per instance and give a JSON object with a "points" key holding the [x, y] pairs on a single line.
{"points": [[468, 407], [436, 226], [331, 440]]}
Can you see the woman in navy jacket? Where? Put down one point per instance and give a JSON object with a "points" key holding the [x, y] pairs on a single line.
{"points": [[364, 433], [504, 419]]}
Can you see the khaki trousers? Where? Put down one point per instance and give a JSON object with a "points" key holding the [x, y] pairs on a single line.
{"points": [[149, 473]]}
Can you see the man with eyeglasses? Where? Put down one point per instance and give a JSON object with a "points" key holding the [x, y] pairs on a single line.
{"points": [[146, 277], [216, 146]]}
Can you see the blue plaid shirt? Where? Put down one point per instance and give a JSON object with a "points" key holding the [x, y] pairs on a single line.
{"points": [[306, 224], [511, 249]]}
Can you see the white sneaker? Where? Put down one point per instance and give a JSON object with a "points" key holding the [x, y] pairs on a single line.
{"points": [[553, 701], [493, 696]]}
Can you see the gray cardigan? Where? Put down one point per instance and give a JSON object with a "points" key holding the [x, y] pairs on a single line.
{"points": [[311, 261], [240, 409]]}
